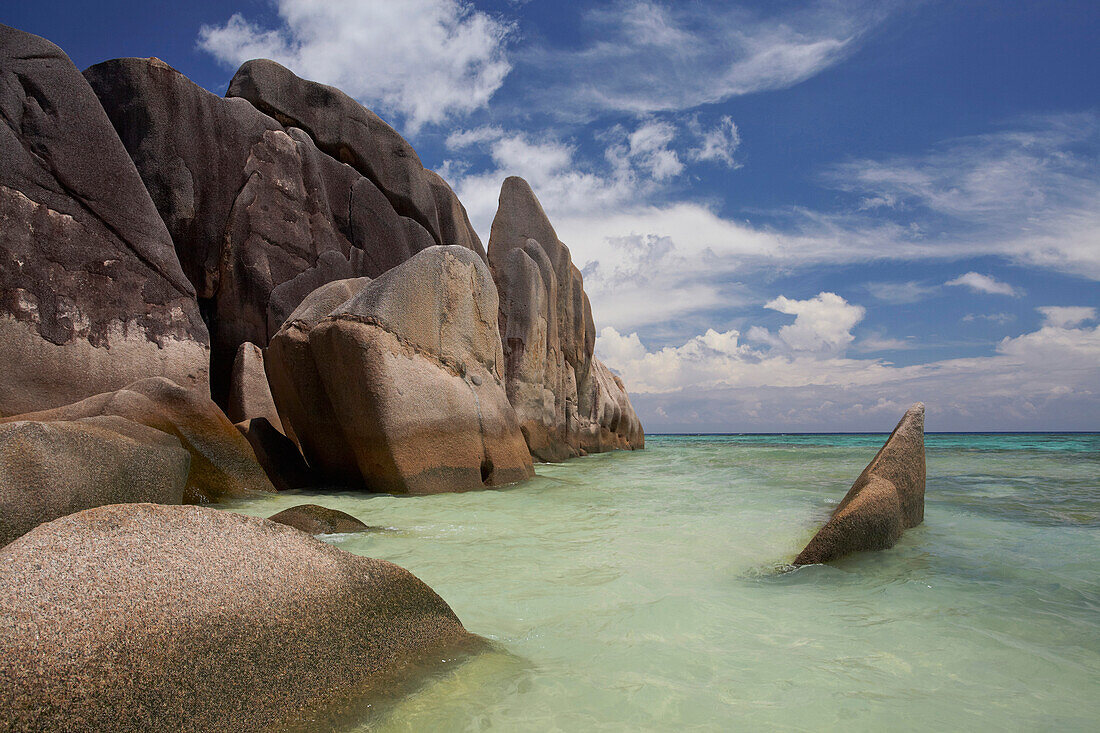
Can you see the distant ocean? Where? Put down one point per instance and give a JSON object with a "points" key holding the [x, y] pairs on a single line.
{"points": [[644, 591]]}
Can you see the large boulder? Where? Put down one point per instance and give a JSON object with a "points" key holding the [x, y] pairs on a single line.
{"points": [[353, 134], [567, 403], [92, 296], [409, 367], [886, 499], [259, 216], [51, 469], [139, 617], [314, 519], [277, 454], [222, 462]]}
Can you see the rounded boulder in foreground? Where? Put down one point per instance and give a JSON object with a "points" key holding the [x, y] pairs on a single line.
{"points": [[139, 617]]}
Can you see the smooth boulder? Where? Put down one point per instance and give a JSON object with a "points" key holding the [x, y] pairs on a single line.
{"points": [[51, 469], [314, 519], [249, 393], [277, 454], [92, 296], [223, 464], [886, 499], [408, 371], [140, 617]]}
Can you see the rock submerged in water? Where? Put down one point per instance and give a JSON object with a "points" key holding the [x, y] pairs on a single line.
{"points": [[567, 401], [405, 380], [886, 499], [92, 296], [50, 469], [222, 462], [140, 617], [314, 519]]}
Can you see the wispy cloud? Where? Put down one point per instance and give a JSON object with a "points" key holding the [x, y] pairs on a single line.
{"points": [[424, 60], [646, 56], [979, 283], [898, 293]]}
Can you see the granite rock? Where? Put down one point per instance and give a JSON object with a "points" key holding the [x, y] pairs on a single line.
{"points": [[314, 519]]}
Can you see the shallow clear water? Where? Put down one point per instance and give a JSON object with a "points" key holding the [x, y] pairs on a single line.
{"points": [[637, 591]]}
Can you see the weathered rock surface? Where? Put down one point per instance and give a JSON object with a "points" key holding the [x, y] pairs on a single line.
{"points": [[142, 617], [568, 404], [222, 462], [410, 371], [886, 499], [259, 216], [51, 469], [92, 296], [277, 454], [314, 519], [249, 393], [354, 135]]}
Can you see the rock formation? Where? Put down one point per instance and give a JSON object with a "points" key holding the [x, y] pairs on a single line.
{"points": [[314, 519], [886, 499], [249, 393], [195, 619], [407, 374], [277, 454], [92, 296], [50, 469], [222, 462], [259, 215], [567, 402], [354, 135]]}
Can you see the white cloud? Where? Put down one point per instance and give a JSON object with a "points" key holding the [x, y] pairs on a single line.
{"points": [[1062, 316], [900, 292], [980, 283], [648, 56], [822, 324], [1038, 380], [1000, 318], [717, 144], [425, 60]]}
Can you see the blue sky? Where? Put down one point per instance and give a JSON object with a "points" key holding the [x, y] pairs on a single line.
{"points": [[790, 215]]}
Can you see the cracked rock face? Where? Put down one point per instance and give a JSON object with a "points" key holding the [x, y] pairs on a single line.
{"points": [[91, 292], [406, 370], [568, 403], [202, 620], [260, 216], [886, 499]]}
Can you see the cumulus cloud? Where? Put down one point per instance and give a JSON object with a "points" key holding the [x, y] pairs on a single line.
{"points": [[646, 149], [822, 324], [980, 283], [424, 60], [1039, 380], [1061, 316]]}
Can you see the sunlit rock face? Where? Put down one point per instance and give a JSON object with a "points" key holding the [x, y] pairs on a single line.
{"points": [[202, 620], [395, 384], [50, 469], [260, 217], [223, 464], [347, 131], [92, 296], [568, 403], [886, 499]]}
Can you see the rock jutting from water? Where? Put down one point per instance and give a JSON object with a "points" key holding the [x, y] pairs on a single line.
{"points": [[407, 371], [886, 499], [196, 619], [314, 519], [568, 402], [92, 296]]}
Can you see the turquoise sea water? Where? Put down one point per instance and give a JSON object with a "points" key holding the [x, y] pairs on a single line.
{"points": [[639, 591]]}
